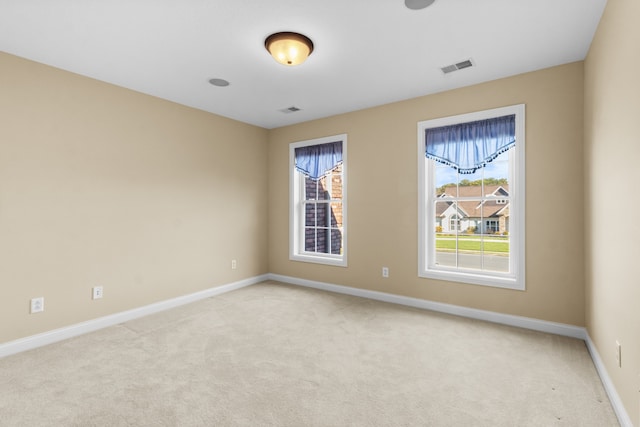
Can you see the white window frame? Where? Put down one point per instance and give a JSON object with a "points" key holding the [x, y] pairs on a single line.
{"points": [[427, 268], [296, 207]]}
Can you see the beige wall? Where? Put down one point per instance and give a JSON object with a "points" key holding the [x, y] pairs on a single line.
{"points": [[612, 114], [102, 185], [382, 204]]}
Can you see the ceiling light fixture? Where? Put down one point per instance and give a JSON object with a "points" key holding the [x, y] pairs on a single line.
{"points": [[289, 48]]}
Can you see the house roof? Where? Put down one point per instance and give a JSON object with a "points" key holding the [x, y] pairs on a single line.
{"points": [[473, 208]]}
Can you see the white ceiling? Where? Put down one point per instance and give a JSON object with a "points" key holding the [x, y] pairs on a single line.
{"points": [[367, 52]]}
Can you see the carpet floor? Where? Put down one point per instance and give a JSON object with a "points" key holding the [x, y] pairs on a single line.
{"points": [[279, 355]]}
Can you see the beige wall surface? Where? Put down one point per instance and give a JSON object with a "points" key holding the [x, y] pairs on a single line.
{"points": [[612, 158], [382, 190], [100, 185]]}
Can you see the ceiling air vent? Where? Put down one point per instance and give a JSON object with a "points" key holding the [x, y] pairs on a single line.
{"points": [[455, 67], [291, 109]]}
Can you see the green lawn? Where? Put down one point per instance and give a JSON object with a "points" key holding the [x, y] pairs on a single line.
{"points": [[474, 243], [472, 236]]}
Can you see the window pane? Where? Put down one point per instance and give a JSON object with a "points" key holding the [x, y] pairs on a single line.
{"points": [[470, 188], [470, 252], [445, 242], [446, 254], [310, 239], [336, 241], [471, 184], [446, 179], [323, 220], [440, 208], [336, 214], [495, 255], [496, 177], [470, 241], [323, 214], [310, 188], [323, 188], [323, 237], [336, 183], [310, 214]]}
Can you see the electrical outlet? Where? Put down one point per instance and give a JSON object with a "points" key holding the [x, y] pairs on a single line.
{"points": [[618, 354], [37, 305], [96, 292], [385, 271], [234, 264]]}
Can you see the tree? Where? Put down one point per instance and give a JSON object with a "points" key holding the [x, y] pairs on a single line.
{"points": [[467, 183]]}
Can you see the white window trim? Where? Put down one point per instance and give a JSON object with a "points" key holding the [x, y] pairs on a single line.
{"points": [[296, 216], [515, 279]]}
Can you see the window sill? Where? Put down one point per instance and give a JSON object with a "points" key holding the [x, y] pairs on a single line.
{"points": [[497, 281], [338, 261]]}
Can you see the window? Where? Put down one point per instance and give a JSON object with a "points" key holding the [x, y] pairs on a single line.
{"points": [[318, 200], [454, 223], [491, 226], [471, 198]]}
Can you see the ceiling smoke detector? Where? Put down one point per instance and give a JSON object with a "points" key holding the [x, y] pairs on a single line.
{"points": [[458, 66], [418, 4], [219, 82]]}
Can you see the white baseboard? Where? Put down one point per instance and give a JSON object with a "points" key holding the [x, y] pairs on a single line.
{"points": [[614, 398], [39, 340], [490, 316]]}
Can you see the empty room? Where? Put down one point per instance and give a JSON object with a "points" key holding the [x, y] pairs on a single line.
{"points": [[336, 213]]}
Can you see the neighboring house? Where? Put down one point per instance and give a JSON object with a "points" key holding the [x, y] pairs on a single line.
{"points": [[488, 216]]}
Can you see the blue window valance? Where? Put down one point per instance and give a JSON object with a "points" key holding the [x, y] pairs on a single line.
{"points": [[316, 161], [469, 146]]}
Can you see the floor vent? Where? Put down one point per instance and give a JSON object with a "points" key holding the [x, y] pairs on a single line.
{"points": [[455, 67]]}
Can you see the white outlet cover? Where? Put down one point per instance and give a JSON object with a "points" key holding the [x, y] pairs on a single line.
{"points": [[37, 305], [97, 292]]}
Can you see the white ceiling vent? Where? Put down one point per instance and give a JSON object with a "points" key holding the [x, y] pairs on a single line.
{"points": [[455, 67], [291, 109]]}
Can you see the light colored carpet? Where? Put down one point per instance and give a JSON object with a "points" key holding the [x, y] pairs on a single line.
{"points": [[278, 355]]}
